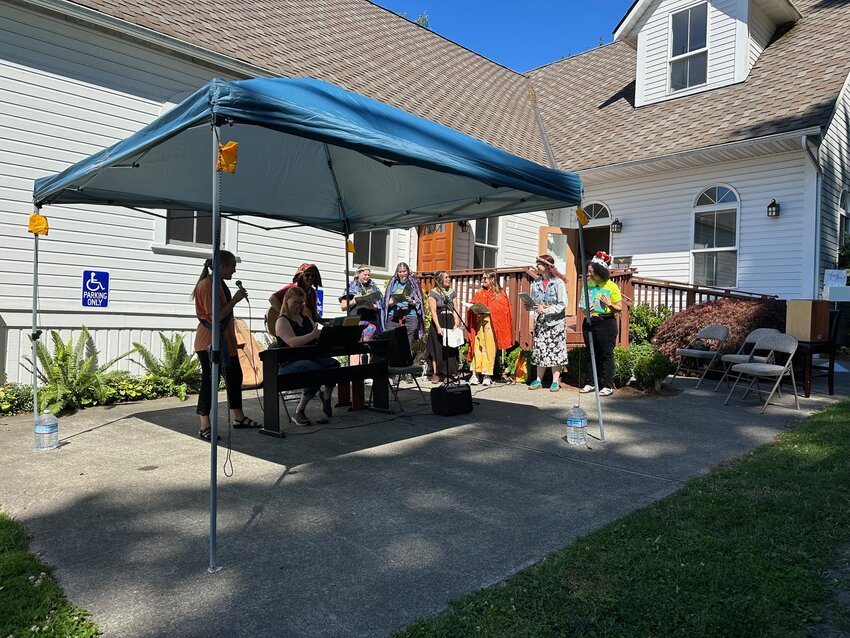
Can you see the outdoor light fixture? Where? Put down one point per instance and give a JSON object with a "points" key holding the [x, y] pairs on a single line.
{"points": [[616, 226], [773, 209], [464, 225]]}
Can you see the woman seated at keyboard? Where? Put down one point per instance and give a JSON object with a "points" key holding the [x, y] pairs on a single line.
{"points": [[293, 329]]}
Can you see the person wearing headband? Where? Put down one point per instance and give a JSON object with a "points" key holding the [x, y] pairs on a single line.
{"points": [[309, 279], [605, 301], [368, 312], [549, 293]]}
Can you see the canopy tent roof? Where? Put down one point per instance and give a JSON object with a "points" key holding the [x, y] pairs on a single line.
{"points": [[313, 154]]}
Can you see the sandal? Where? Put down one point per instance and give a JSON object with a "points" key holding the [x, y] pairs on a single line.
{"points": [[245, 422], [206, 435]]}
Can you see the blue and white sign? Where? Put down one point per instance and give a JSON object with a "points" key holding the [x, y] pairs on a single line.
{"points": [[95, 289], [320, 301]]}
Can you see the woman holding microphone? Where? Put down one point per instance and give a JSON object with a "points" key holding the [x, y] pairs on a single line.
{"points": [[202, 294]]}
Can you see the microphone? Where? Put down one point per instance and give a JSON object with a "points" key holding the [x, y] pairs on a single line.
{"points": [[239, 285]]}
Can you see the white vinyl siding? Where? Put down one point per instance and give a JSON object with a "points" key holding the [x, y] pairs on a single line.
{"points": [[519, 238], [761, 30], [657, 215], [835, 179], [67, 91], [654, 48]]}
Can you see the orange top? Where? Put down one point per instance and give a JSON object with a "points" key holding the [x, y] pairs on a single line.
{"points": [[203, 309], [500, 316]]}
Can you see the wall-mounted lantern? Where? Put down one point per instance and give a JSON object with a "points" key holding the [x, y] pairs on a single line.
{"points": [[616, 226], [773, 209]]}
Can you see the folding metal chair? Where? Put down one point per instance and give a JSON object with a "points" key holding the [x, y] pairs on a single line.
{"points": [[746, 353], [699, 355], [400, 363], [780, 348]]}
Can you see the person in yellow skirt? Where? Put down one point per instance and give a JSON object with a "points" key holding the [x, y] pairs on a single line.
{"points": [[489, 331]]}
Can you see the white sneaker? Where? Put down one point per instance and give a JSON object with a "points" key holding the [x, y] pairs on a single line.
{"points": [[605, 392], [487, 381], [586, 389], [473, 380], [367, 382]]}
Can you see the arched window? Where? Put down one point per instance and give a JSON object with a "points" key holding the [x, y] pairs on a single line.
{"points": [[596, 211], [715, 248]]}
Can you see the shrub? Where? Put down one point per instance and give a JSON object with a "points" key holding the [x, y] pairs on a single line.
{"points": [[622, 366], [15, 398], [462, 362], [652, 368], [741, 316], [71, 375], [177, 366], [626, 359], [644, 321]]}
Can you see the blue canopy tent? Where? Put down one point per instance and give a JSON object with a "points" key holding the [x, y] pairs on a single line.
{"points": [[309, 153]]}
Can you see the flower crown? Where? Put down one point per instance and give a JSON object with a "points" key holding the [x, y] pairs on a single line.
{"points": [[602, 258]]}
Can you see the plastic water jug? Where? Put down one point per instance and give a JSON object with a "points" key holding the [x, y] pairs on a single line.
{"points": [[46, 432], [577, 426]]}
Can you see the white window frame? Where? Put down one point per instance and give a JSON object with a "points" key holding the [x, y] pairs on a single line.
{"points": [[843, 216], [598, 221], [487, 246], [160, 245], [676, 58], [707, 208], [387, 250]]}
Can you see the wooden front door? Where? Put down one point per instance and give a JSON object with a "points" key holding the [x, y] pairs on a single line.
{"points": [[435, 247]]}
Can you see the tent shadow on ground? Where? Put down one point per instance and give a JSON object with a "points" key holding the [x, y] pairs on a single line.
{"points": [[362, 429], [353, 532]]}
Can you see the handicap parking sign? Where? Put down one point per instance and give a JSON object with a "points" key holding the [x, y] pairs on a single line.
{"points": [[95, 289], [320, 301]]}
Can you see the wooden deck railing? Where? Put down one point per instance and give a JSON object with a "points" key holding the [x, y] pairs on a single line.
{"points": [[678, 296], [636, 290]]}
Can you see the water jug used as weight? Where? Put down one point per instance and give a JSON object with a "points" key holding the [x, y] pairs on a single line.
{"points": [[576, 426], [46, 431]]}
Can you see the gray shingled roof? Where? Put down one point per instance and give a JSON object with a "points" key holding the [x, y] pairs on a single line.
{"points": [[587, 102], [361, 47]]}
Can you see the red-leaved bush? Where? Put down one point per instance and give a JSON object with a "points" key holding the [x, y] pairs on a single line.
{"points": [[741, 316]]}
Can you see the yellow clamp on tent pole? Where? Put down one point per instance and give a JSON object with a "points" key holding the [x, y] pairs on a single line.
{"points": [[226, 162], [350, 246], [582, 216], [37, 224]]}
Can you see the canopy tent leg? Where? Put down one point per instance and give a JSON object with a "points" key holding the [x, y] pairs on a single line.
{"points": [[215, 357], [36, 333], [586, 294]]}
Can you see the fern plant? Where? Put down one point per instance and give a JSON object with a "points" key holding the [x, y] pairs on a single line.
{"points": [[177, 366], [71, 375]]}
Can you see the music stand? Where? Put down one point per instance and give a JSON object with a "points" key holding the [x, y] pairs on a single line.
{"points": [[332, 337]]}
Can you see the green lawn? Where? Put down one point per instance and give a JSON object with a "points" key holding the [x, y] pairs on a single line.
{"points": [[741, 552], [31, 603]]}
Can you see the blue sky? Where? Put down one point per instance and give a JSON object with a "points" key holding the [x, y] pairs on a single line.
{"points": [[520, 34]]}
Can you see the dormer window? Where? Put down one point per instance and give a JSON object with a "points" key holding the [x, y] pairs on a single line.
{"points": [[688, 47]]}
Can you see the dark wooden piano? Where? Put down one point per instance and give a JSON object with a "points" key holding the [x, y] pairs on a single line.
{"points": [[274, 383]]}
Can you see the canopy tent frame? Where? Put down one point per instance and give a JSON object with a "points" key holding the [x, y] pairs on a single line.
{"points": [[302, 112]]}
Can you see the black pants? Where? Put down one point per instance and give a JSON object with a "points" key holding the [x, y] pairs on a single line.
{"points": [[443, 356], [604, 331], [410, 321], [232, 378]]}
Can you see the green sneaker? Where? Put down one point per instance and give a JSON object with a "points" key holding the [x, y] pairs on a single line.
{"points": [[535, 385], [555, 387]]}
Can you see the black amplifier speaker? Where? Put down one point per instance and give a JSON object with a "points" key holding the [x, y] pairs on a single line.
{"points": [[447, 400]]}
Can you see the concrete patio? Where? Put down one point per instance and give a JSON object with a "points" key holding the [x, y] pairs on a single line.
{"points": [[356, 529]]}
